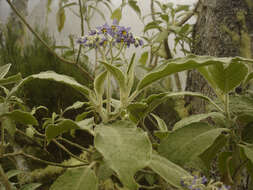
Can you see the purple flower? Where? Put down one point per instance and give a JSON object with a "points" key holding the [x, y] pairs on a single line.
{"points": [[204, 180]]}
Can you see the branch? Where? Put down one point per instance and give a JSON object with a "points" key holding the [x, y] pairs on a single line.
{"points": [[68, 152], [45, 44], [42, 161], [4, 179]]}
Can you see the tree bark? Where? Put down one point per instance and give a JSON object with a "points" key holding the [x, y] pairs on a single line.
{"points": [[224, 28]]}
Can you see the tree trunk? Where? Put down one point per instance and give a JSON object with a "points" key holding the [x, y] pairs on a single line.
{"points": [[223, 29]]}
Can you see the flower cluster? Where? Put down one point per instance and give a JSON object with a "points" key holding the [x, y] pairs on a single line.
{"points": [[201, 183], [114, 34]]}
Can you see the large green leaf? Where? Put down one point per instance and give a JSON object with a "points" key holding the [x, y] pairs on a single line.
{"points": [[4, 70], [76, 179], [139, 110], [224, 78], [186, 144], [50, 75], [195, 118], [22, 117], [192, 62], [169, 171], [66, 125], [125, 148]]}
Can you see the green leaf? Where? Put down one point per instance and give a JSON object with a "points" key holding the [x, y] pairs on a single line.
{"points": [[19, 116], [210, 154], [152, 25], [248, 150], [60, 19], [125, 148], [195, 118], [162, 36], [87, 125], [4, 70], [139, 110], [30, 186], [136, 111], [76, 105], [224, 78], [117, 74], [66, 125], [144, 58], [169, 171], [10, 80], [135, 7], [13, 173], [161, 124], [76, 179], [249, 77], [186, 144], [50, 75], [191, 62], [99, 84], [116, 14]]}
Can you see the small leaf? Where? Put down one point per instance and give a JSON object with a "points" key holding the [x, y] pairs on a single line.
{"points": [[10, 80], [144, 58], [152, 25], [76, 105], [99, 84], [169, 171], [60, 19], [13, 173], [4, 70], [161, 124], [76, 179], [116, 14], [125, 148], [66, 125], [117, 74], [19, 116], [135, 7]]}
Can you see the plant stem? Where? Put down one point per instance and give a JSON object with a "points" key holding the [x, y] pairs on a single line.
{"points": [[43, 161], [82, 30], [68, 152], [227, 110], [46, 45], [74, 144], [2, 139], [4, 179]]}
